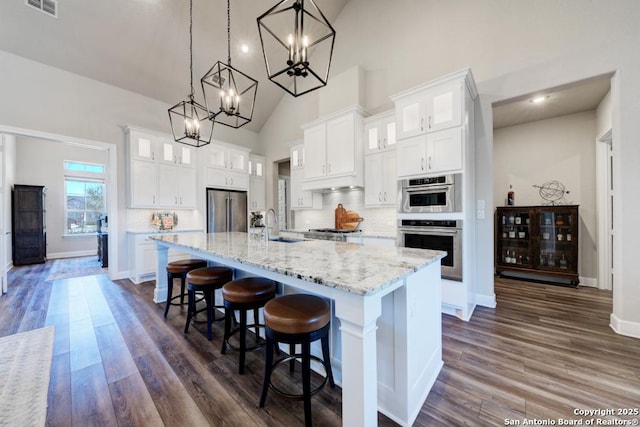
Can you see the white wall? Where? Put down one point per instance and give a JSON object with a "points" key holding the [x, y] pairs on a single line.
{"points": [[41, 162], [46, 99], [514, 47], [559, 149]]}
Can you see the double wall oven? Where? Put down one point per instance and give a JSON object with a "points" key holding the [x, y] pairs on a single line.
{"points": [[438, 195]]}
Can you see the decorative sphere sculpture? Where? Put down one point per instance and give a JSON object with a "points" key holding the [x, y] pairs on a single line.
{"points": [[552, 191]]}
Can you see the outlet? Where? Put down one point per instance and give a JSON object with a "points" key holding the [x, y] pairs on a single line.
{"points": [[480, 204], [480, 214]]}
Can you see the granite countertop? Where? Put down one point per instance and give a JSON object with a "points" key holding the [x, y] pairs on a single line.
{"points": [[154, 231], [351, 267]]}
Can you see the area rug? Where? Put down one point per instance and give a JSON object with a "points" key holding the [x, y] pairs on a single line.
{"points": [[66, 268], [25, 365]]}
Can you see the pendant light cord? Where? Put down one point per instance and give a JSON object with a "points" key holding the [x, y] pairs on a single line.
{"points": [[229, 32], [191, 46]]}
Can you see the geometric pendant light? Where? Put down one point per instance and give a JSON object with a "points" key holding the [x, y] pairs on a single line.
{"points": [[229, 94], [189, 120], [297, 44]]}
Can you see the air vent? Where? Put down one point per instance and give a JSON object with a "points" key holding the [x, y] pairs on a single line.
{"points": [[49, 7]]}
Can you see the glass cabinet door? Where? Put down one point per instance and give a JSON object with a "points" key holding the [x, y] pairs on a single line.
{"points": [[514, 238], [557, 249]]}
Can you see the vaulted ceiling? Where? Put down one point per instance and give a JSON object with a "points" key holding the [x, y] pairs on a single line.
{"points": [[143, 45]]}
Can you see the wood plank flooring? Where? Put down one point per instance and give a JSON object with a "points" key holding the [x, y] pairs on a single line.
{"points": [[543, 352]]}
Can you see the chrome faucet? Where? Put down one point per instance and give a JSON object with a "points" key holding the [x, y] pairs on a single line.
{"points": [[276, 232]]}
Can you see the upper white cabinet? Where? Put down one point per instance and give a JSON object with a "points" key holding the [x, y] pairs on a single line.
{"points": [[433, 153], [380, 132], [429, 109], [257, 184], [161, 172], [380, 179], [297, 156], [303, 199], [333, 151], [227, 166]]}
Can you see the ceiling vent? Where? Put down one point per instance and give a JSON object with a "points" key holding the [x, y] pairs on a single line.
{"points": [[49, 7]]}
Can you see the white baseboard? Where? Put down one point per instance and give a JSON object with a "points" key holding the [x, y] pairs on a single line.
{"points": [[624, 327], [591, 282], [58, 255], [486, 300]]}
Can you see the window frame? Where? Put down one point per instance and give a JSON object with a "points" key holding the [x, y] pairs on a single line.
{"points": [[85, 177]]}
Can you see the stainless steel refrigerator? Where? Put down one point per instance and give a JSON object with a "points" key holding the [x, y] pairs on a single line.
{"points": [[226, 210]]}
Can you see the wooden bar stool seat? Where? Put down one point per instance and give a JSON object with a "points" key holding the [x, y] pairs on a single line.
{"points": [[205, 280], [297, 319], [249, 293], [179, 270]]}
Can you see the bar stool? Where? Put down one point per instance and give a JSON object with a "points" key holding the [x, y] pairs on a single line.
{"points": [[297, 319], [179, 270], [249, 293], [205, 280]]}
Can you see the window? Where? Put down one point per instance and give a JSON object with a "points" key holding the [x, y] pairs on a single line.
{"points": [[83, 167], [85, 201]]}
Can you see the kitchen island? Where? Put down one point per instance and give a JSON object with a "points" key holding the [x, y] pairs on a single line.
{"points": [[386, 339]]}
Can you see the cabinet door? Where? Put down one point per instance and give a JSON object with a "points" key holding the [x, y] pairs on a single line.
{"points": [[186, 156], [238, 161], [217, 156], [372, 137], [390, 178], [373, 179], [297, 175], [341, 145], [388, 127], [412, 155], [315, 152], [297, 156], [216, 178], [168, 151], [187, 188], [558, 237], [142, 146], [256, 166], [257, 190], [168, 185], [444, 151], [144, 182], [410, 116], [444, 106], [237, 181]]}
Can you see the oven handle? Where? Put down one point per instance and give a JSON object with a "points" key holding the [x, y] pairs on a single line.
{"points": [[436, 232], [430, 189]]}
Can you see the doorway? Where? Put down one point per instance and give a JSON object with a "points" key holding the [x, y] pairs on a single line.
{"points": [[284, 197]]}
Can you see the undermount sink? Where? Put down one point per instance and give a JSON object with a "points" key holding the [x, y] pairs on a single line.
{"points": [[285, 240]]}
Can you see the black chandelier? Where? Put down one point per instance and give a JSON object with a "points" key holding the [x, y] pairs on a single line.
{"points": [[189, 120], [297, 44], [229, 94]]}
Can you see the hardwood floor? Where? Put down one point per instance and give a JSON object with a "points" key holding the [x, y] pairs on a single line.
{"points": [[543, 352]]}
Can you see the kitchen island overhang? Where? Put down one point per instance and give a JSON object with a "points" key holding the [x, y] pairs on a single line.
{"points": [[386, 300]]}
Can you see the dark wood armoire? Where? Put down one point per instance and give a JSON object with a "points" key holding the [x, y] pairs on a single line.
{"points": [[28, 224]]}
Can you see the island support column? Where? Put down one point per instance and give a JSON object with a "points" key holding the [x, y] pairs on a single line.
{"points": [[358, 315], [160, 292]]}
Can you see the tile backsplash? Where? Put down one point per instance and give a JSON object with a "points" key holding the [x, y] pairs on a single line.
{"points": [[376, 220]]}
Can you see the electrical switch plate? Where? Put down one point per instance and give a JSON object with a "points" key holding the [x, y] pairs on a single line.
{"points": [[480, 204], [480, 214]]}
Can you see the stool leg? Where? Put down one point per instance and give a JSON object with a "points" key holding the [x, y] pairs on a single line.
{"points": [[268, 367], [256, 318], [182, 283], [208, 296], [292, 363], [326, 359], [190, 309], [169, 293], [306, 381], [228, 313], [243, 339]]}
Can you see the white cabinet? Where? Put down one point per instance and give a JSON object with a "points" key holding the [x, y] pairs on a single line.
{"points": [[227, 167], [257, 184], [303, 199], [380, 133], [433, 153], [143, 256], [297, 156], [333, 151], [161, 172], [380, 179], [372, 241], [429, 109]]}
